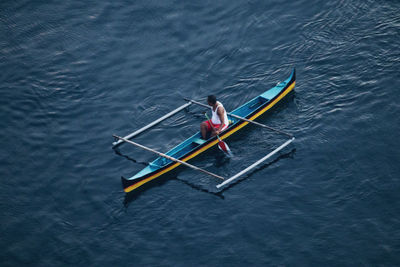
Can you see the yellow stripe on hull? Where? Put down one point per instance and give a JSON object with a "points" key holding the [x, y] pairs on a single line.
{"points": [[270, 105]]}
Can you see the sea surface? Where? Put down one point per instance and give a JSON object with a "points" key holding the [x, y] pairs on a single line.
{"points": [[72, 73]]}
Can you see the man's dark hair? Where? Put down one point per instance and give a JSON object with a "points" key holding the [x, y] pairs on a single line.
{"points": [[212, 99]]}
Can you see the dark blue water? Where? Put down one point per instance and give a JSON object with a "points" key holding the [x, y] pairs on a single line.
{"points": [[73, 73]]}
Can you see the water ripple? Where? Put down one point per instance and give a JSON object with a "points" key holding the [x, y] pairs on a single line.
{"points": [[75, 73]]}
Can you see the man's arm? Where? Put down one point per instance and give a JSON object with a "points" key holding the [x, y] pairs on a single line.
{"points": [[220, 113]]}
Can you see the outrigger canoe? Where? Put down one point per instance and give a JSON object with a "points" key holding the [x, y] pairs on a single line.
{"points": [[193, 146]]}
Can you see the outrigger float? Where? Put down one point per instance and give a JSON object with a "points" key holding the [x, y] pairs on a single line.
{"points": [[195, 145]]}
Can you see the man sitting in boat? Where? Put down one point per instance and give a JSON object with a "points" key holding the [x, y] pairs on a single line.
{"points": [[219, 120]]}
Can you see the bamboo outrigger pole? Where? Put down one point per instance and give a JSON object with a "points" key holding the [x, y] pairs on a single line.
{"points": [[169, 157], [129, 136], [255, 164]]}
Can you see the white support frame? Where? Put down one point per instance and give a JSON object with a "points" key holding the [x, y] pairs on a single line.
{"points": [[252, 166], [129, 136]]}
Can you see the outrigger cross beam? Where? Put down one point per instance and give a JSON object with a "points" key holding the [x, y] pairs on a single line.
{"points": [[169, 157], [194, 145]]}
